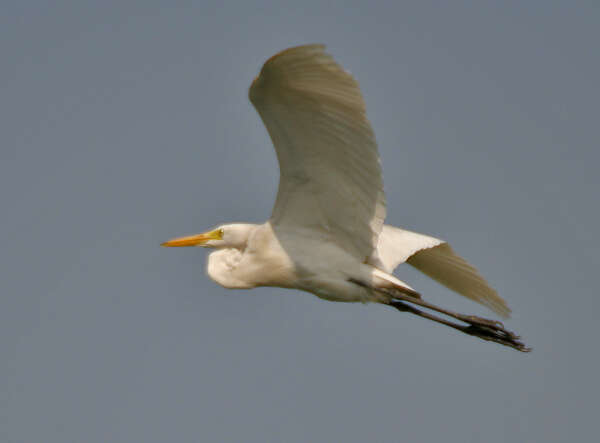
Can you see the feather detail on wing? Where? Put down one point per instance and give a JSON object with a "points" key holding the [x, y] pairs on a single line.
{"points": [[330, 176], [436, 259]]}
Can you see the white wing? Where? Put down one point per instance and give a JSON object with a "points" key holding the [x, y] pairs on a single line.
{"points": [[436, 259], [330, 176]]}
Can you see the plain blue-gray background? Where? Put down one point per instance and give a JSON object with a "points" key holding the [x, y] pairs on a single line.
{"points": [[125, 123]]}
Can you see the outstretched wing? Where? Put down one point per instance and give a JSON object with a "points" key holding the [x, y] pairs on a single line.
{"points": [[436, 259], [330, 176]]}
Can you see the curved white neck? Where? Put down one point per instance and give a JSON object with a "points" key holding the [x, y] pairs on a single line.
{"points": [[259, 261]]}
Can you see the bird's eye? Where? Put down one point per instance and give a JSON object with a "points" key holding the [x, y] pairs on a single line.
{"points": [[221, 232]]}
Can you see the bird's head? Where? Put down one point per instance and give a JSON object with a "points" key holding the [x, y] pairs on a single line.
{"points": [[233, 235]]}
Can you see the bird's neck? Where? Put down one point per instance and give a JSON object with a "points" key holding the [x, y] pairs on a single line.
{"points": [[262, 262]]}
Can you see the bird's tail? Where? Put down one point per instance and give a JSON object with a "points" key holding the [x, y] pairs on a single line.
{"points": [[391, 284]]}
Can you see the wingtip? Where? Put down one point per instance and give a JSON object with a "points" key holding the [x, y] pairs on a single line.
{"points": [[294, 49], [256, 87]]}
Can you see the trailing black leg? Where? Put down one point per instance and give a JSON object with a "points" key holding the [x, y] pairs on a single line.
{"points": [[483, 328]]}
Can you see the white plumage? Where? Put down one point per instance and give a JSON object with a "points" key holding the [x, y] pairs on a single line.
{"points": [[326, 233], [330, 173]]}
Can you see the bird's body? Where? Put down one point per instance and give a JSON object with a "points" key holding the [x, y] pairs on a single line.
{"points": [[265, 262], [327, 234]]}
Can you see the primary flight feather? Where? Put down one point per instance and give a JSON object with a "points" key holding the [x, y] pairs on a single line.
{"points": [[326, 234]]}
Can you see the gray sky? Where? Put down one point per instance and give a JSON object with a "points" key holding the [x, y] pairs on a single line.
{"points": [[126, 123]]}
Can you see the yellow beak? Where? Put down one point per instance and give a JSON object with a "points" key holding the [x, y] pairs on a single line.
{"points": [[194, 240]]}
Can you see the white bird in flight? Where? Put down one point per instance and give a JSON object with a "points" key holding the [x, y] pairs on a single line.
{"points": [[326, 234]]}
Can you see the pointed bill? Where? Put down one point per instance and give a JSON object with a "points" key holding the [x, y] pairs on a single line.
{"points": [[194, 240]]}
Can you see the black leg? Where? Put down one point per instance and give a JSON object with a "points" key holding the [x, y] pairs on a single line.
{"points": [[483, 328]]}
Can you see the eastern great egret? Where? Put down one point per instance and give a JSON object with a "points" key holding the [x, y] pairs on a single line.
{"points": [[327, 234]]}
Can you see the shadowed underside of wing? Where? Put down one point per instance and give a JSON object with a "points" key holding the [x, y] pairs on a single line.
{"points": [[442, 264], [436, 259], [330, 176]]}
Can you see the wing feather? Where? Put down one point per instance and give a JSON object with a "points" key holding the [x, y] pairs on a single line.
{"points": [[436, 259], [442, 264], [330, 176]]}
